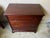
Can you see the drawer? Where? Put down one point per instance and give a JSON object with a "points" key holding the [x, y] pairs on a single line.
{"points": [[18, 17], [21, 24], [24, 29], [15, 17]]}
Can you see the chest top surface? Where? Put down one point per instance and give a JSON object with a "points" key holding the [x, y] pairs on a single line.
{"points": [[23, 9]]}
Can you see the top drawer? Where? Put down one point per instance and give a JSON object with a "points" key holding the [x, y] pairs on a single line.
{"points": [[14, 17]]}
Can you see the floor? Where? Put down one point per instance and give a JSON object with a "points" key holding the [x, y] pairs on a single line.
{"points": [[42, 31]]}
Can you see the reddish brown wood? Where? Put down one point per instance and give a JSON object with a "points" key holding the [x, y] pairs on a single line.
{"points": [[24, 22], [24, 9], [24, 17]]}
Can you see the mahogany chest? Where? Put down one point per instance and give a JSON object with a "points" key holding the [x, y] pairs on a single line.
{"points": [[24, 17]]}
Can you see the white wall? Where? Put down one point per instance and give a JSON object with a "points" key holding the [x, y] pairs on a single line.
{"points": [[46, 5], [6, 2]]}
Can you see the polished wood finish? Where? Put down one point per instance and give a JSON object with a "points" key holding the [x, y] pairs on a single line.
{"points": [[24, 9], [24, 17]]}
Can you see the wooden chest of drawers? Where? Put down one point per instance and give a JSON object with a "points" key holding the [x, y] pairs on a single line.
{"points": [[24, 17]]}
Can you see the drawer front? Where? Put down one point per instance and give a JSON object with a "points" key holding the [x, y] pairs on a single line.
{"points": [[22, 24], [28, 22], [14, 17]]}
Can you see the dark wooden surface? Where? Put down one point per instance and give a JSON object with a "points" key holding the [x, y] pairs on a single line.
{"points": [[24, 23], [23, 9], [24, 17]]}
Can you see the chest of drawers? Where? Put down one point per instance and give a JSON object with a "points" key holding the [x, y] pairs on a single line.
{"points": [[24, 17]]}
